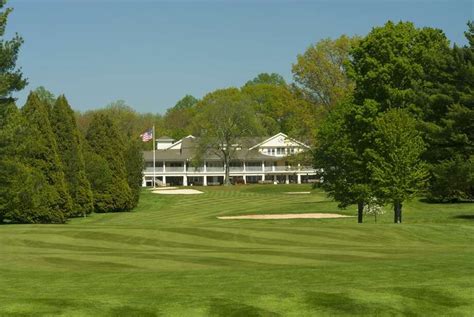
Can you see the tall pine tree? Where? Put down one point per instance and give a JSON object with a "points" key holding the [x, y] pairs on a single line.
{"points": [[43, 155], [105, 140], [70, 152], [134, 164], [11, 78]]}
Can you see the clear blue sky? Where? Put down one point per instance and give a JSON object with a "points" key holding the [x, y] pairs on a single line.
{"points": [[152, 53]]}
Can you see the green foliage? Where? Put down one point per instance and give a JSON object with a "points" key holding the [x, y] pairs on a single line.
{"points": [[70, 151], [342, 140], [46, 96], [394, 63], [280, 110], [101, 180], [452, 180], [321, 71], [177, 121], [134, 164], [222, 118], [395, 161], [42, 154], [31, 197], [11, 78], [130, 123], [273, 79], [105, 140]]}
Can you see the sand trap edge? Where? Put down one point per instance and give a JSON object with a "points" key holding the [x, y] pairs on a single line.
{"points": [[286, 216]]}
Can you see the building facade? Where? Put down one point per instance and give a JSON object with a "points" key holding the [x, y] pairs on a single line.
{"points": [[260, 160]]}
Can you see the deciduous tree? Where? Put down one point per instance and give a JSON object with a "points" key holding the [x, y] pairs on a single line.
{"points": [[321, 71], [223, 118], [395, 161]]}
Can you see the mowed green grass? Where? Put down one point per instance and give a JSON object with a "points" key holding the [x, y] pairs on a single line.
{"points": [[173, 257]]}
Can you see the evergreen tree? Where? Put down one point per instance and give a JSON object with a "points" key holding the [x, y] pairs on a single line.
{"points": [[105, 140], [25, 194], [134, 164], [11, 79], [42, 154], [70, 151]]}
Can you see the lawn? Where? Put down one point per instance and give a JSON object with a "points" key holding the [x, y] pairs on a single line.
{"points": [[173, 257]]}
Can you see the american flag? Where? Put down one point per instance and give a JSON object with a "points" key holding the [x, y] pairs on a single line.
{"points": [[147, 135]]}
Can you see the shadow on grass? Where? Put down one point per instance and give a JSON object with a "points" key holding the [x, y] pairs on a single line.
{"points": [[342, 304], [453, 201], [465, 217], [228, 308]]}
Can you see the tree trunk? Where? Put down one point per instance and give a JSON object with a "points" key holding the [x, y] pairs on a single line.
{"points": [[397, 212], [226, 171], [360, 212]]}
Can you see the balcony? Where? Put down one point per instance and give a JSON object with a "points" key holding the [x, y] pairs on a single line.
{"points": [[158, 169], [174, 169], [215, 169], [198, 169], [253, 168]]}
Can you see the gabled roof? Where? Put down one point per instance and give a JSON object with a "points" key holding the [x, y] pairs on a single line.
{"points": [[180, 141], [276, 136]]}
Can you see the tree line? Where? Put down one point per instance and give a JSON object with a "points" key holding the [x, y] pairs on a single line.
{"points": [[407, 127], [49, 170]]}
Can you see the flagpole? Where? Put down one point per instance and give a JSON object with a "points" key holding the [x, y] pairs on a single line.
{"points": [[154, 162]]}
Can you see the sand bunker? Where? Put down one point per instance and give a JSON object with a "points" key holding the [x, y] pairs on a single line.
{"points": [[297, 193], [288, 216], [165, 188], [177, 191]]}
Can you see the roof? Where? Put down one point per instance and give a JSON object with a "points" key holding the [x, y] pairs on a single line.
{"points": [[189, 145], [165, 138]]}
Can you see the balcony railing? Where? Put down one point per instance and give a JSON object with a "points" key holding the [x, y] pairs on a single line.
{"points": [[253, 168], [215, 169], [158, 169], [172, 169], [192, 169], [233, 169]]}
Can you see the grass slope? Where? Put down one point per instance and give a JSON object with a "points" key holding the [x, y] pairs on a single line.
{"points": [[172, 257]]}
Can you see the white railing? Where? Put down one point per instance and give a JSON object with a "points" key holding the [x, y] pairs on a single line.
{"points": [[172, 169], [157, 169], [253, 168], [236, 168], [199, 169], [215, 169]]}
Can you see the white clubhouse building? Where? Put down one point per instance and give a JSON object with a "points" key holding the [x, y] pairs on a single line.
{"points": [[261, 160]]}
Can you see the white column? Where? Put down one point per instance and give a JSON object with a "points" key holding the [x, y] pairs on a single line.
{"points": [[143, 181], [204, 183], [164, 180], [205, 167], [299, 178], [263, 166], [244, 167], [185, 166], [245, 179], [274, 179], [185, 180], [287, 181], [164, 166]]}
